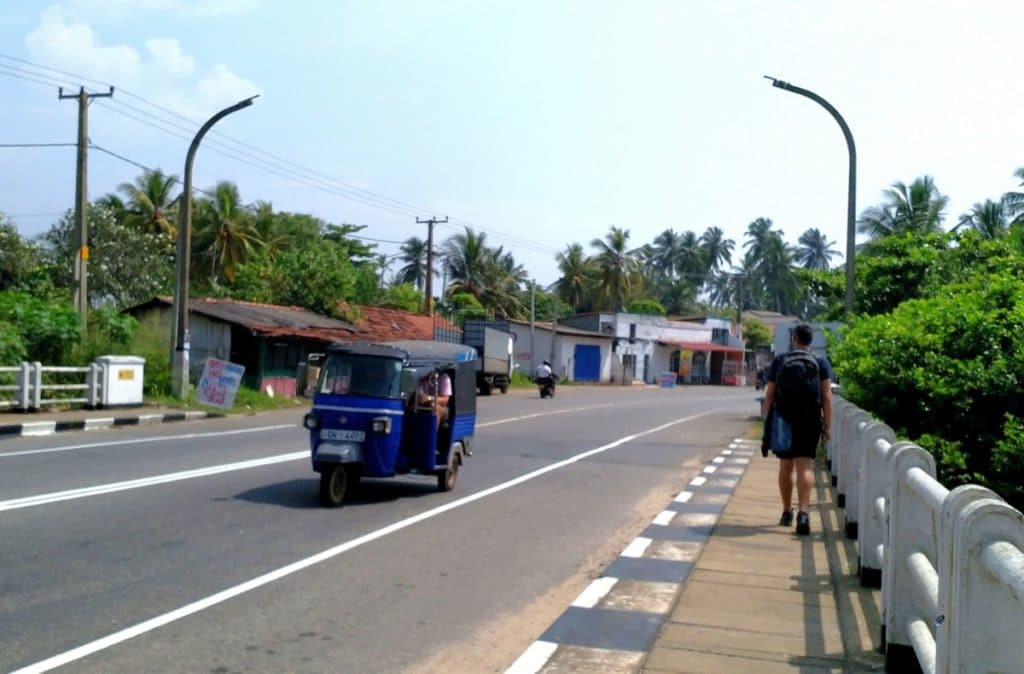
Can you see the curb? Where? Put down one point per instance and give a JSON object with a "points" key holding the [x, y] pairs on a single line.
{"points": [[615, 621], [41, 428]]}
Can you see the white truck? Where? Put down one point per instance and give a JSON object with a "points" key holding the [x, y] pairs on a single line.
{"points": [[495, 354]]}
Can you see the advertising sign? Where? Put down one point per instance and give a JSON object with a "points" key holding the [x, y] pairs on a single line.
{"points": [[219, 383]]}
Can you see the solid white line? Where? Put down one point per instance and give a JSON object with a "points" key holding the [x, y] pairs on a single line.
{"points": [[70, 494], [698, 481], [157, 438], [664, 518], [637, 548], [531, 661], [718, 459], [684, 496], [595, 592], [710, 469], [222, 596], [541, 414]]}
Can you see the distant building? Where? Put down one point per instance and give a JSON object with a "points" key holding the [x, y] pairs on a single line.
{"points": [[578, 355]]}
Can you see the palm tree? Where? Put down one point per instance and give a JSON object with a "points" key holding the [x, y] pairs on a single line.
{"points": [[664, 254], [815, 250], [224, 232], [505, 279], [616, 267], [775, 272], [988, 219], [414, 256], [717, 249], [575, 269], [691, 261], [1013, 202], [919, 207], [150, 202], [758, 233], [269, 229], [467, 257]]}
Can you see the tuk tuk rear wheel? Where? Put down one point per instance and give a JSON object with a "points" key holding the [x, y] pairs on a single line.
{"points": [[334, 484], [446, 478]]}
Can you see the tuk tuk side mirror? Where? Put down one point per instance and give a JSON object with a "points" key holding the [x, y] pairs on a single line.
{"points": [[410, 378]]}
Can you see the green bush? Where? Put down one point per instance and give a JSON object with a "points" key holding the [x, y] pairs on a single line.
{"points": [[153, 342], [12, 349], [48, 330]]}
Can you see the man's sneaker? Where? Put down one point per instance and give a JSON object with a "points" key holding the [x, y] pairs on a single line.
{"points": [[787, 519], [803, 524]]}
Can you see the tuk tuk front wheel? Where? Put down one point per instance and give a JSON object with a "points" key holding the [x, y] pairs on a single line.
{"points": [[335, 482]]}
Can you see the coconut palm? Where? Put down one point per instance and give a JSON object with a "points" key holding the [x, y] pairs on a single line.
{"points": [[665, 253], [815, 250], [918, 207], [224, 234], [467, 257], [691, 261], [1013, 202], [717, 249], [576, 275], [269, 229], [151, 202], [414, 258], [988, 218], [758, 233], [616, 268]]}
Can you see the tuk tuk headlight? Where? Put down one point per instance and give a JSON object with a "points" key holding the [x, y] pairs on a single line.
{"points": [[381, 425], [311, 421]]}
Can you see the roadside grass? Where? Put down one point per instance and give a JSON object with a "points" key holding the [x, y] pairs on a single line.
{"points": [[248, 400]]}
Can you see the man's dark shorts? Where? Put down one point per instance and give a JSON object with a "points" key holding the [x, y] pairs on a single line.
{"points": [[804, 444]]}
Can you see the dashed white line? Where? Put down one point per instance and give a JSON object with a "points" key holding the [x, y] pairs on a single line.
{"points": [[698, 481], [684, 496], [718, 459], [595, 592], [637, 547], [664, 518], [710, 469], [533, 658], [727, 451], [530, 664]]}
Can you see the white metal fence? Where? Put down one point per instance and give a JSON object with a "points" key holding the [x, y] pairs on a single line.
{"points": [[31, 392], [949, 562]]}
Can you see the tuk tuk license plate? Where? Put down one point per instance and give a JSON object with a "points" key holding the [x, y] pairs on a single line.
{"points": [[340, 434]]}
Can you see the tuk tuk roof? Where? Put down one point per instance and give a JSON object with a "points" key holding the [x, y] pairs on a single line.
{"points": [[424, 352], [367, 349]]}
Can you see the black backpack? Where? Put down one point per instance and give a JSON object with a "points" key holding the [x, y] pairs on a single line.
{"points": [[798, 388]]}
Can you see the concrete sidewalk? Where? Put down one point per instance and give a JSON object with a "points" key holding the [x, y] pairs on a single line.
{"points": [[764, 600], [47, 422]]}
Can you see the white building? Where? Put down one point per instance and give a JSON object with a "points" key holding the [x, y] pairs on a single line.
{"points": [[578, 355]]}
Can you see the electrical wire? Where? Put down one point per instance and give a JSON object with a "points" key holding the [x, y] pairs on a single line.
{"points": [[312, 178], [38, 144]]}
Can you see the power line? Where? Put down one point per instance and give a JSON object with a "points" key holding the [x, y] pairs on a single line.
{"points": [[312, 178], [38, 144], [32, 215]]}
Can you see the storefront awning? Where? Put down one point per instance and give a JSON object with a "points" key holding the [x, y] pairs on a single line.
{"points": [[703, 346]]}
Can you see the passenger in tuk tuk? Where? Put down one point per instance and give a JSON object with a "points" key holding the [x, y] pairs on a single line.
{"points": [[434, 391]]}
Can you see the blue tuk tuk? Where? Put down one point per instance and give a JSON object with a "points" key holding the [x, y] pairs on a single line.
{"points": [[373, 413]]}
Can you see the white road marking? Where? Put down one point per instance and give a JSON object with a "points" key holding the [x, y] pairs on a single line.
{"points": [[727, 451], [595, 592], [70, 494], [156, 438], [664, 518], [541, 414], [718, 459], [684, 496], [698, 481], [637, 547], [195, 607], [710, 469], [531, 661], [742, 461]]}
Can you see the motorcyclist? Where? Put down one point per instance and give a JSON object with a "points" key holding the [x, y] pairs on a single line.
{"points": [[545, 376]]}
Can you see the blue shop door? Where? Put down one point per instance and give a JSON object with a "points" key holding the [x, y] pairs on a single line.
{"points": [[587, 363]]}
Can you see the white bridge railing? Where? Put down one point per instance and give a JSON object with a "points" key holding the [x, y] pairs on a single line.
{"points": [[29, 392], [950, 562]]}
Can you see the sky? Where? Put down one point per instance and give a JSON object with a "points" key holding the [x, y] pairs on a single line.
{"points": [[540, 122]]}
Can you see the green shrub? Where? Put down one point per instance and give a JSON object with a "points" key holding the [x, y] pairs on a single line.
{"points": [[48, 330]]}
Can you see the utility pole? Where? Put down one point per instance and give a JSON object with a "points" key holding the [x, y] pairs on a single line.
{"points": [[533, 326], [81, 235], [430, 222]]}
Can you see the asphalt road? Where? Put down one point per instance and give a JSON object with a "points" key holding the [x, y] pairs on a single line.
{"points": [[200, 547]]}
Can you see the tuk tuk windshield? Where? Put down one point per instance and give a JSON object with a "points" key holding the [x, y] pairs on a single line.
{"points": [[359, 375]]}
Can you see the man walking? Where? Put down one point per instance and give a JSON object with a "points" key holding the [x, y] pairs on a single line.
{"points": [[798, 396]]}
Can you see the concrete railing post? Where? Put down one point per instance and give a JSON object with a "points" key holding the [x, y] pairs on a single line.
{"points": [[24, 386], [868, 470], [36, 401], [914, 512], [92, 380], [847, 477]]}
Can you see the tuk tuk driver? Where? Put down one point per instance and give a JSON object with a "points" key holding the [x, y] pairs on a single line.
{"points": [[434, 391]]}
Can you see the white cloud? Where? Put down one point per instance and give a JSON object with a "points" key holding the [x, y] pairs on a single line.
{"points": [[163, 72]]}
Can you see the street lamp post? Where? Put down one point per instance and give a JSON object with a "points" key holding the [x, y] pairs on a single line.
{"points": [[179, 335], [851, 200]]}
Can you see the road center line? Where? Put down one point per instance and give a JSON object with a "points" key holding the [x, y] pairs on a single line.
{"points": [[543, 414], [156, 438], [284, 571]]}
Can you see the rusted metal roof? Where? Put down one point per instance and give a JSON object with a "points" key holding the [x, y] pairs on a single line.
{"points": [[270, 320]]}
